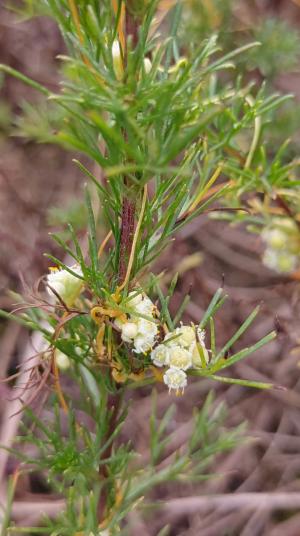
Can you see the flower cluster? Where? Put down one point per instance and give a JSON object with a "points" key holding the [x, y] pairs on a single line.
{"points": [[181, 349], [65, 284], [282, 238], [140, 327]]}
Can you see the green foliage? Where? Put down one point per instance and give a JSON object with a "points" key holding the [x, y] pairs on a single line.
{"points": [[172, 138], [281, 46]]}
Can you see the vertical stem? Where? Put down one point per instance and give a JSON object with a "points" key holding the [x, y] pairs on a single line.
{"points": [[127, 232], [126, 241]]}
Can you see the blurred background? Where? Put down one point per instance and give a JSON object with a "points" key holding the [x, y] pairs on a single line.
{"points": [[41, 190]]}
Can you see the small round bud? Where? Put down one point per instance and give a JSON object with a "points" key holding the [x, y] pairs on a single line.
{"points": [[129, 330], [65, 284], [62, 360]]}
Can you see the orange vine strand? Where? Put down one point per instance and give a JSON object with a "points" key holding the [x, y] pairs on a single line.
{"points": [[103, 244]]}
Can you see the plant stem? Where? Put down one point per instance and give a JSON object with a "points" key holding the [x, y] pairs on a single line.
{"points": [[130, 27], [127, 232], [114, 403]]}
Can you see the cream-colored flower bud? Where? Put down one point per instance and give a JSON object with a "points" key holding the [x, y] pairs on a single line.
{"points": [[180, 358], [175, 379], [65, 284], [160, 355], [129, 331], [117, 60], [62, 360], [147, 65]]}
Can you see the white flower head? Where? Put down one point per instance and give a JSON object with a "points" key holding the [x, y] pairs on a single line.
{"points": [[275, 238], [65, 284], [129, 331], [175, 379], [180, 358], [186, 336], [160, 355], [145, 307], [147, 328], [282, 262], [142, 345]]}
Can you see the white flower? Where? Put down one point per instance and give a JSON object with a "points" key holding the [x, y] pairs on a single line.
{"points": [[175, 379], [147, 328], [275, 238], [129, 331], [160, 355], [145, 307], [62, 360], [65, 284], [142, 344], [186, 336], [282, 262], [196, 358], [180, 358]]}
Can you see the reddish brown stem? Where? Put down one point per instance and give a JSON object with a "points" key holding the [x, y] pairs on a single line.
{"points": [[127, 232], [126, 239]]}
